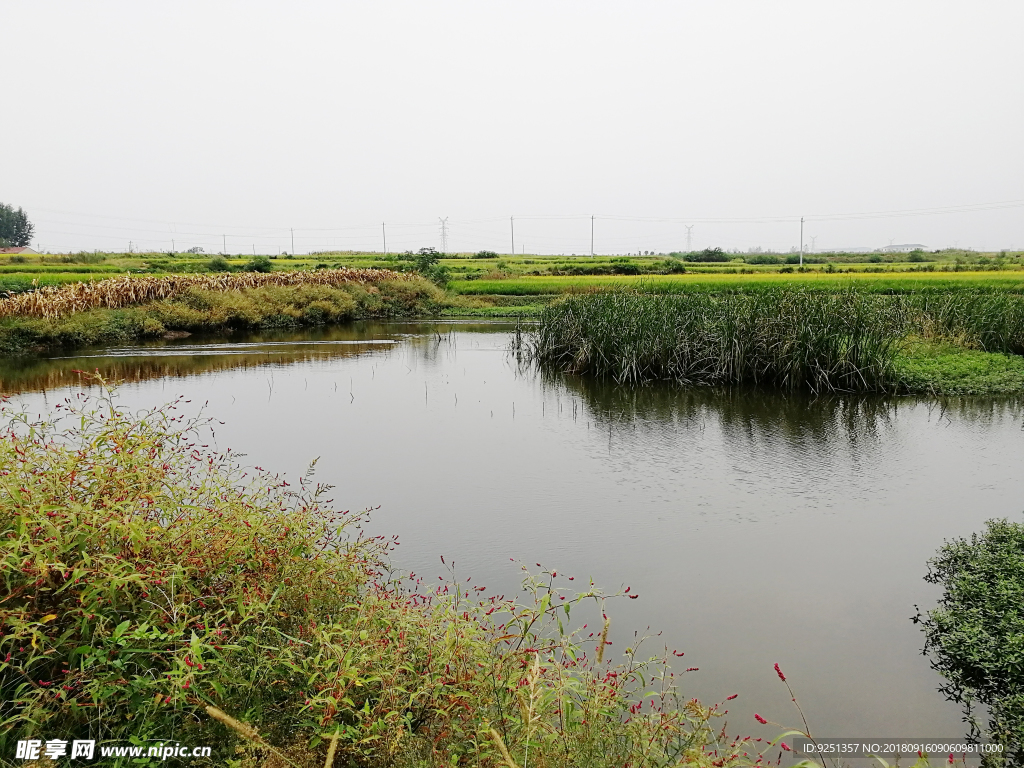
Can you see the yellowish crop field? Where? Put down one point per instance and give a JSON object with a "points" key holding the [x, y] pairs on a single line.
{"points": [[888, 280]]}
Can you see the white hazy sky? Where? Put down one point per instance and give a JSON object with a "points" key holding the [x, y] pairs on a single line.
{"points": [[186, 121]]}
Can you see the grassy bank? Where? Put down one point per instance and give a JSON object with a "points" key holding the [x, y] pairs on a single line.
{"points": [[943, 368], [208, 310], [949, 342], [154, 592]]}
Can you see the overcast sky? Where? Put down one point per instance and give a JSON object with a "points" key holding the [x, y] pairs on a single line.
{"points": [[187, 121]]}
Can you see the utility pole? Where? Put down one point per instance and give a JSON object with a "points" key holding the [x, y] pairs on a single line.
{"points": [[689, 237], [444, 234], [512, 223], [384, 232], [293, 242], [172, 246], [814, 241], [801, 241], [254, 250], [591, 237], [224, 241]]}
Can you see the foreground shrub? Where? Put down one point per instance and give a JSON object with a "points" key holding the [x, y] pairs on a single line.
{"points": [[976, 634], [154, 591]]}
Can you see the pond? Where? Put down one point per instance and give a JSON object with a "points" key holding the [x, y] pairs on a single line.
{"points": [[756, 527]]}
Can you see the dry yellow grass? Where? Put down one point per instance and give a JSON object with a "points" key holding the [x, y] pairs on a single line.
{"points": [[116, 292]]}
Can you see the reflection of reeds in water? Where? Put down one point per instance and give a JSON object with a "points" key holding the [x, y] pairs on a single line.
{"points": [[53, 373], [776, 419], [429, 341]]}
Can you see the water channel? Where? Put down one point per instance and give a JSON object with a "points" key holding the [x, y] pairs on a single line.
{"points": [[756, 527]]}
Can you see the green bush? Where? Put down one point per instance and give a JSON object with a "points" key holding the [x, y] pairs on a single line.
{"points": [[624, 266], [976, 634], [218, 264], [486, 255], [259, 264], [708, 255]]}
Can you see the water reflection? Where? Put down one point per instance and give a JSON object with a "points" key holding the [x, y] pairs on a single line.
{"points": [[195, 355], [781, 420]]}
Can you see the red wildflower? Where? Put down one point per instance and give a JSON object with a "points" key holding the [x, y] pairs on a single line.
{"points": [[760, 719], [778, 672]]}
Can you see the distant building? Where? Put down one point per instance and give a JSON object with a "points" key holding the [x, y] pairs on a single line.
{"points": [[905, 248], [21, 250]]}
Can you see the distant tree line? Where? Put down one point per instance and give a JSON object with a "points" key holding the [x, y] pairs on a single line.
{"points": [[15, 228]]}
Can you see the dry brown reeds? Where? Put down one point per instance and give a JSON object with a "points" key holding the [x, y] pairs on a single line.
{"points": [[127, 290]]}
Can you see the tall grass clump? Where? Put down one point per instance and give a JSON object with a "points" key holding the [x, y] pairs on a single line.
{"points": [[153, 592], [789, 338], [990, 320]]}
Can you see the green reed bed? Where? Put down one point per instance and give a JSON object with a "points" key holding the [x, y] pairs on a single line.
{"points": [[845, 340], [792, 339]]}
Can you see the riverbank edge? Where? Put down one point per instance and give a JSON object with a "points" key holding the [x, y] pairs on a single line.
{"points": [[923, 367], [264, 308]]}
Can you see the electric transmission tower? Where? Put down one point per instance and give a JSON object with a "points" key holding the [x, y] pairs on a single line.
{"points": [[444, 234], [689, 237]]}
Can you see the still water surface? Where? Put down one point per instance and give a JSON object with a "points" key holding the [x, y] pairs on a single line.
{"points": [[757, 528]]}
